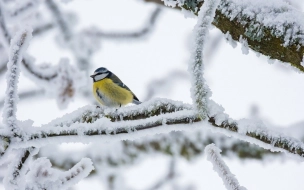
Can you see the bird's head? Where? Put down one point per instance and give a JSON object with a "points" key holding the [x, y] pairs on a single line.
{"points": [[100, 74]]}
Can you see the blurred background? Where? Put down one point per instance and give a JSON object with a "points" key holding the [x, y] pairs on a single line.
{"points": [[148, 47]]}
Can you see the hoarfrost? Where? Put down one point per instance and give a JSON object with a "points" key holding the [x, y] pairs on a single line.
{"points": [[43, 176], [188, 14], [280, 17], [18, 45], [200, 91], [229, 39], [302, 63], [213, 155], [245, 48]]}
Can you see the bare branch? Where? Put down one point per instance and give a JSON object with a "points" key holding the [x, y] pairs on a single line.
{"points": [[27, 94], [168, 178], [15, 176], [60, 19], [43, 28]]}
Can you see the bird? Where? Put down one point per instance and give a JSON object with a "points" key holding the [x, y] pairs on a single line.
{"points": [[110, 91]]}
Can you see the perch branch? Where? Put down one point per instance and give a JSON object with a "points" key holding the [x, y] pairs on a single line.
{"points": [[98, 122]]}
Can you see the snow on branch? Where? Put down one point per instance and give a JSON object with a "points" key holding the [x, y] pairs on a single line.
{"points": [[273, 28], [18, 45], [43, 176], [214, 156], [17, 169], [103, 124], [199, 90]]}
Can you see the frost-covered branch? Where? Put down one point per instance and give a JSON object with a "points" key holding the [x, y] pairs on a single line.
{"points": [[14, 178], [26, 62], [152, 118], [199, 90], [273, 28], [125, 35], [43, 176], [18, 45], [188, 145], [213, 155]]}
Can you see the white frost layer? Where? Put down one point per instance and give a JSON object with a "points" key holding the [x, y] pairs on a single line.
{"points": [[213, 155], [277, 15], [18, 45], [199, 90], [78, 125], [43, 176]]}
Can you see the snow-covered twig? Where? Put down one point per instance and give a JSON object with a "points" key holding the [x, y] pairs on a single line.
{"points": [[14, 178], [125, 35], [274, 21], [43, 176], [213, 155], [199, 90], [26, 63], [188, 145], [18, 45], [26, 94]]}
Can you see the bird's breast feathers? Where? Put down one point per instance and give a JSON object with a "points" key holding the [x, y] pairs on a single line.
{"points": [[110, 94]]}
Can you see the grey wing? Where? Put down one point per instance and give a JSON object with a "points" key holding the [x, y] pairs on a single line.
{"points": [[117, 81]]}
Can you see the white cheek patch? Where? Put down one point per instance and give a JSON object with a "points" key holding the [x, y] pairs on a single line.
{"points": [[100, 77]]}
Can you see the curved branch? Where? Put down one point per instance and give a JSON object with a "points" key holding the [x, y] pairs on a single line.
{"points": [[282, 39], [123, 35]]}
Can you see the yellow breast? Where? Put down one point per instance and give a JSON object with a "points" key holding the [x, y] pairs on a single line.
{"points": [[111, 93]]}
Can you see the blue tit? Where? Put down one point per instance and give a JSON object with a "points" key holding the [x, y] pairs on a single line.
{"points": [[110, 91]]}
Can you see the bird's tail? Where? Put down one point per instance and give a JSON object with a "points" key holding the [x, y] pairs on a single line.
{"points": [[136, 102]]}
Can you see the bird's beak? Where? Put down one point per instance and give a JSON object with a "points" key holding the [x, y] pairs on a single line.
{"points": [[92, 76]]}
